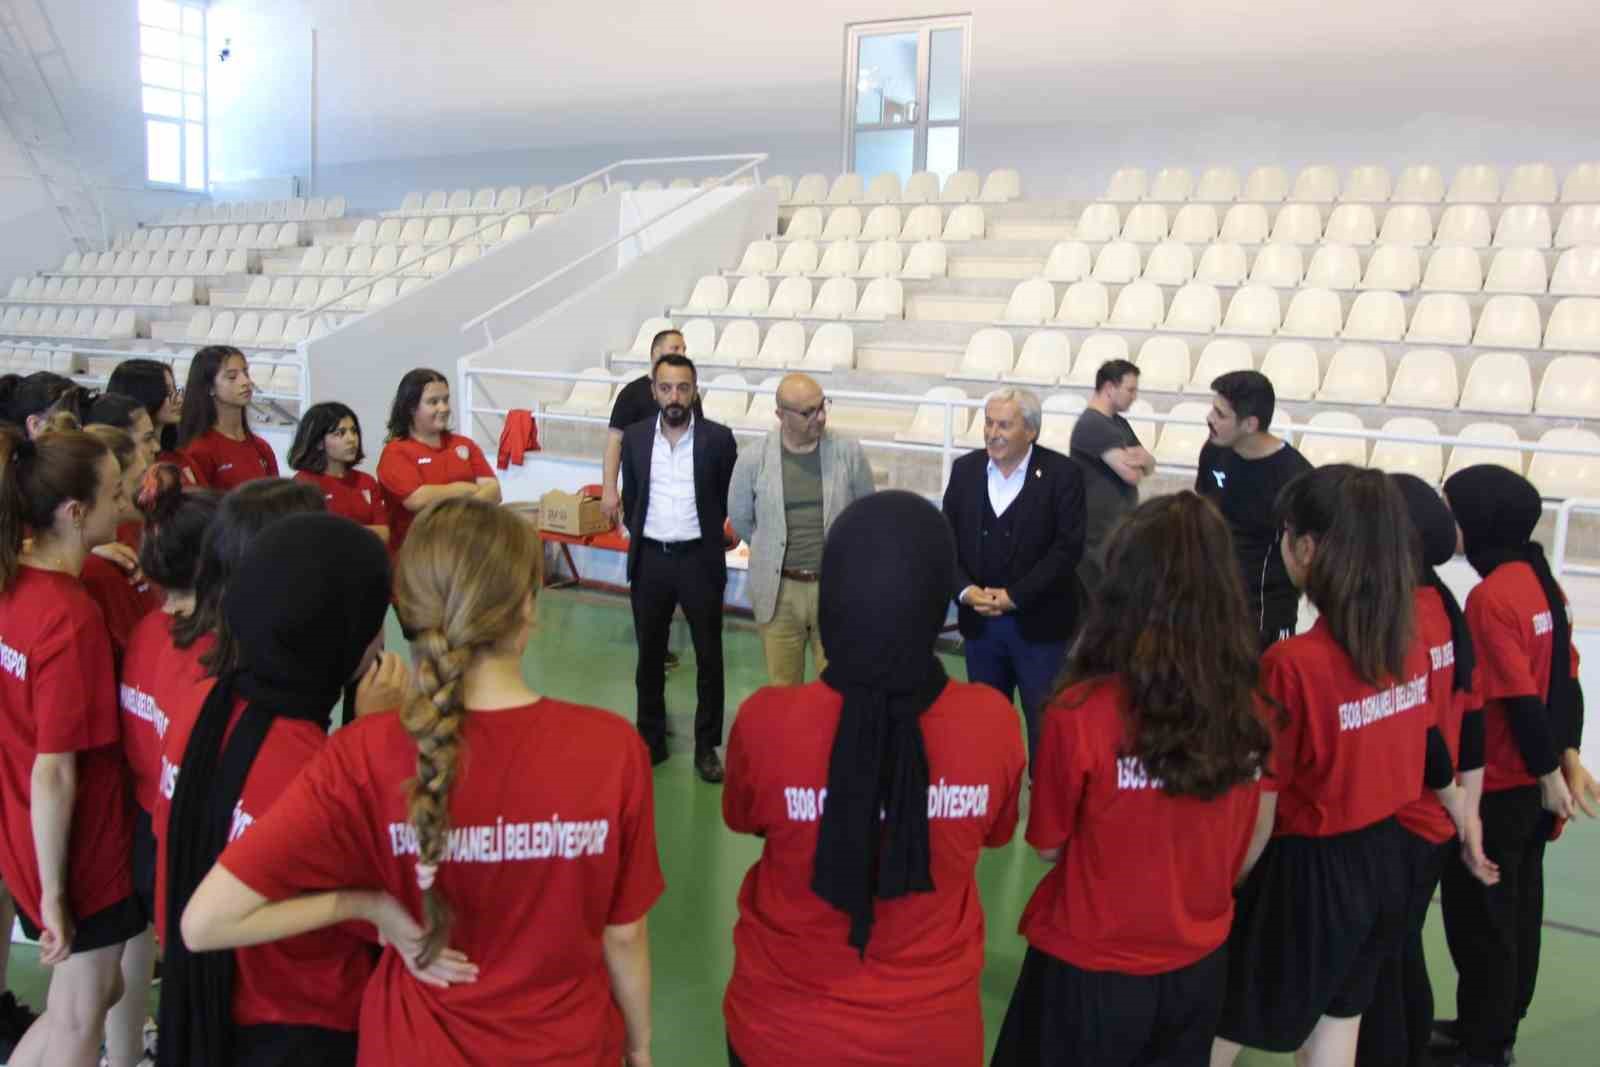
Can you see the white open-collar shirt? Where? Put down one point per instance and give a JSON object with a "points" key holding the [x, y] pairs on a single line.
{"points": [[1004, 490], [671, 514]]}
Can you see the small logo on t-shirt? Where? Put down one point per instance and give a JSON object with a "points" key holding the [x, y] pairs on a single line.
{"points": [[1355, 714], [461, 451], [142, 705], [1443, 655], [242, 821], [224, 467], [1221, 477], [1131, 774], [505, 842], [13, 662], [366, 494], [1542, 624], [424, 461]]}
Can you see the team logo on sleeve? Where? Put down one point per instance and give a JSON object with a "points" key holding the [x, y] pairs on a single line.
{"points": [[461, 452], [1221, 477], [366, 494]]}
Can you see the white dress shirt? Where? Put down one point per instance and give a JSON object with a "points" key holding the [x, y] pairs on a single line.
{"points": [[1004, 490], [671, 514]]}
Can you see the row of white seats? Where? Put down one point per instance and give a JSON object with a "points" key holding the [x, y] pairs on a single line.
{"points": [[596, 391], [440, 230], [924, 223], [1505, 321], [1500, 382], [921, 188], [291, 292], [248, 236], [1529, 183], [27, 358], [882, 259], [1332, 266], [832, 345], [838, 298], [146, 291], [488, 201], [105, 324], [298, 209], [160, 262], [251, 330], [1520, 225]]}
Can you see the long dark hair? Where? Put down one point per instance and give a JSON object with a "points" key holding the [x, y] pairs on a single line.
{"points": [[309, 451], [146, 381], [243, 514], [176, 518], [36, 478], [1171, 622], [114, 409], [406, 399], [1364, 571], [199, 405], [43, 393]]}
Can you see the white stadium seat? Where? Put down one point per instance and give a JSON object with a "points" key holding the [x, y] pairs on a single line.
{"points": [[1032, 302], [1530, 183], [646, 334], [1489, 433], [1419, 184], [1195, 224], [1477, 183], [1061, 411], [1524, 226], [1580, 225], [760, 257], [1455, 268], [1465, 224], [710, 294], [806, 222], [1222, 264], [784, 346], [836, 299], [739, 343], [1118, 262], [1000, 186], [1357, 374], [590, 395], [1096, 350], [1577, 272], [1267, 185], [1376, 316], [1441, 319], [782, 184], [1566, 475], [1069, 261], [1517, 270], [1245, 224], [1180, 443], [961, 186], [1403, 457], [1098, 223], [1254, 310], [1218, 185], [811, 189], [1127, 185], [1397, 268], [843, 223], [1170, 263], [723, 402], [799, 258], [1315, 313], [1163, 364], [882, 223], [1352, 224], [1139, 306], [1196, 308], [1366, 185], [1291, 367], [1279, 265], [1498, 382], [751, 296], [1323, 449], [1425, 378], [1570, 387], [989, 355], [1316, 185], [1508, 321], [1582, 184], [1146, 224], [832, 347], [927, 259], [921, 188], [840, 258], [1171, 184], [1216, 359], [1407, 224], [1046, 357], [884, 259], [1085, 303], [884, 189], [924, 223], [793, 298], [699, 337], [1574, 325]]}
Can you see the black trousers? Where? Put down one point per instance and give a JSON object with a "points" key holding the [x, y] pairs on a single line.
{"points": [[285, 1045], [1494, 931], [694, 579], [1395, 1027]]}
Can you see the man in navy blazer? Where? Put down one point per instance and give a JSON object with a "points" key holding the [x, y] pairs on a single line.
{"points": [[1017, 511], [675, 474]]}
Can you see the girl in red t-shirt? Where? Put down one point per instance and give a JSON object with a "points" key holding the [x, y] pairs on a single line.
{"points": [[326, 449], [219, 451], [32, 402], [67, 824], [152, 383], [422, 460], [125, 596], [874, 789], [1157, 725], [1324, 907], [518, 829]]}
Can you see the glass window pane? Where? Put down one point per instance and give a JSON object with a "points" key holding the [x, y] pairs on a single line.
{"points": [[886, 79], [194, 156], [160, 43], [163, 102], [163, 73], [880, 151], [194, 22], [194, 51], [162, 13], [163, 149], [944, 151], [194, 108], [194, 79], [944, 76]]}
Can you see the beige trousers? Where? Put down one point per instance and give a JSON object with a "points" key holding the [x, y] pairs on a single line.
{"points": [[793, 626]]}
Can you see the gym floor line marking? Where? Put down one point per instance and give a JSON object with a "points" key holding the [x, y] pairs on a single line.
{"points": [[1569, 928]]}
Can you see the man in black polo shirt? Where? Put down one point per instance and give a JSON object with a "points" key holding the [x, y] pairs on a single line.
{"points": [[1242, 469]]}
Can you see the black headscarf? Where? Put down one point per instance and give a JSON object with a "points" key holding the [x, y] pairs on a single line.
{"points": [[1436, 529], [306, 601], [1498, 510], [884, 598]]}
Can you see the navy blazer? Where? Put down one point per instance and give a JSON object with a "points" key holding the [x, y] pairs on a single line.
{"points": [[1049, 523], [715, 452]]}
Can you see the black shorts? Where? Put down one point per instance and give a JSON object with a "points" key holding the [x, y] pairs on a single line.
{"points": [[1313, 924], [122, 921], [283, 1045], [1063, 1015], [143, 863]]}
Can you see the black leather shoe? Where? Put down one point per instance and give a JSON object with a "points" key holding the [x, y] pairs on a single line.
{"points": [[708, 765], [1445, 1037], [658, 754]]}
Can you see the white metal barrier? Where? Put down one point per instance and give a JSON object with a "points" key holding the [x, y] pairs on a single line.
{"points": [[300, 397], [1558, 548]]}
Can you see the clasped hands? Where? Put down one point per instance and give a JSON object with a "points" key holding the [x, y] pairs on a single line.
{"points": [[989, 603]]}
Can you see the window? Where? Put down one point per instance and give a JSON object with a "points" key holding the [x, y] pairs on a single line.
{"points": [[172, 77], [905, 95]]}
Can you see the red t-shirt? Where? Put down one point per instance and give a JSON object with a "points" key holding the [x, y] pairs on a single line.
{"points": [[130, 534], [1425, 816], [1513, 639], [123, 600], [407, 465], [218, 462], [1348, 754], [1145, 884], [800, 995], [552, 840], [158, 678], [355, 495], [58, 694]]}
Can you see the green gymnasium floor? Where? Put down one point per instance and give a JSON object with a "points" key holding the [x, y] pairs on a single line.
{"points": [[584, 651]]}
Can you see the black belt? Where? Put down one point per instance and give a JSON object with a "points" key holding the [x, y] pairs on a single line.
{"points": [[795, 574], [672, 548]]}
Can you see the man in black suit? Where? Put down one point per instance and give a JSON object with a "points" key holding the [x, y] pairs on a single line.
{"points": [[675, 474], [1017, 510]]}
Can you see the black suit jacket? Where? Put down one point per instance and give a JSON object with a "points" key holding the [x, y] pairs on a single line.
{"points": [[1048, 542], [715, 452]]}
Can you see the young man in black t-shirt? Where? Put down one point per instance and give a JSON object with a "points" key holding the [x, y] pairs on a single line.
{"points": [[1113, 459], [1242, 469]]}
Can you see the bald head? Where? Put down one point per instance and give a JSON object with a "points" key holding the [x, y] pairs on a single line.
{"points": [[799, 391], [802, 412]]}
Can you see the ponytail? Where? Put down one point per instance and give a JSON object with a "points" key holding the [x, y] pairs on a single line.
{"points": [[36, 478], [176, 519]]}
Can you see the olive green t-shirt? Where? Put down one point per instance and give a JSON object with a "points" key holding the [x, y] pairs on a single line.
{"points": [[802, 509]]}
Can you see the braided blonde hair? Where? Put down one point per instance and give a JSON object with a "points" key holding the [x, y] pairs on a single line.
{"points": [[463, 575]]}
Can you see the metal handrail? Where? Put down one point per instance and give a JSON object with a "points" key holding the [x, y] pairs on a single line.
{"points": [[499, 220], [753, 164], [1558, 547]]}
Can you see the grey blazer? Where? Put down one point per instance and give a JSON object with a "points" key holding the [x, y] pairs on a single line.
{"points": [[755, 505]]}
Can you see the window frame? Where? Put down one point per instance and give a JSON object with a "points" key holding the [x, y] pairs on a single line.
{"points": [[181, 123], [924, 27]]}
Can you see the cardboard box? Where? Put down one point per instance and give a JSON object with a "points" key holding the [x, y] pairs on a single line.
{"points": [[571, 514]]}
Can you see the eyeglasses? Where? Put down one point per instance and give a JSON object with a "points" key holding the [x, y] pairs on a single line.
{"points": [[807, 414]]}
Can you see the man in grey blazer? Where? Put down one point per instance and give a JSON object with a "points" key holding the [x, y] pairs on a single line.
{"points": [[785, 494]]}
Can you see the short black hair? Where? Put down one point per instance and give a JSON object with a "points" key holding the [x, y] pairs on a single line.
{"points": [[1250, 393], [655, 342], [309, 452], [675, 360], [1112, 371]]}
